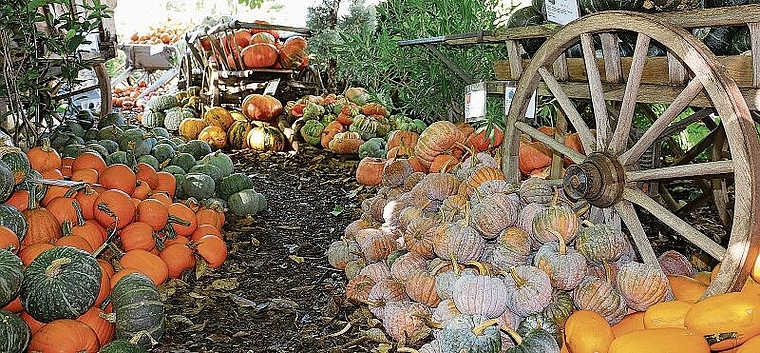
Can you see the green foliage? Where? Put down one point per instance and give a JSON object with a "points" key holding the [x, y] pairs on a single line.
{"points": [[365, 45], [254, 4]]}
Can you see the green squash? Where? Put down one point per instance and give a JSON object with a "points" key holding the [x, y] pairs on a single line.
{"points": [[312, 132], [560, 308], [122, 346], [111, 119], [465, 333], [152, 118], [540, 321], [741, 41], [266, 138], [177, 141], [246, 202], [110, 145], [198, 185], [591, 6], [111, 132], [91, 134], [237, 133], [72, 150], [197, 148], [121, 157], [11, 276], [313, 111], [135, 140], [160, 132], [162, 103], [31, 182], [97, 148], [7, 181], [163, 152], [374, 147], [232, 184], [184, 160], [17, 161], [12, 218], [61, 283], [14, 333], [328, 118], [220, 160], [365, 126], [138, 308], [85, 119], [174, 169], [175, 116], [718, 40], [536, 341], [524, 17], [73, 127], [209, 169], [149, 160]]}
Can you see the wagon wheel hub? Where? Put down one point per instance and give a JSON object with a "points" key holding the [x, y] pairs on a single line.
{"points": [[599, 180]]}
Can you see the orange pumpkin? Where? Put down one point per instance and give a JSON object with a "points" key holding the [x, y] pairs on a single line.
{"points": [[9, 240], [370, 171], [64, 336], [44, 157], [578, 328], [88, 159], [75, 241], [402, 138], [178, 258], [443, 163], [204, 230], [137, 235], [30, 252], [162, 197], [533, 156], [631, 322], [86, 199], [95, 319], [14, 306], [66, 163], [149, 264], [114, 206], [121, 274], [293, 53], [19, 199], [333, 128], [42, 226], [259, 55], [215, 136], [119, 176], [142, 191], [54, 174], [166, 183], [147, 173], [261, 107], [210, 215], [212, 249], [34, 325], [180, 213], [87, 175], [153, 213]]}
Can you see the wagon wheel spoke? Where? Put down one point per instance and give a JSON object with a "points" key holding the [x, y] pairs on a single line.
{"points": [[550, 142], [680, 226], [597, 91], [653, 133], [625, 118], [587, 138], [686, 171], [631, 219]]}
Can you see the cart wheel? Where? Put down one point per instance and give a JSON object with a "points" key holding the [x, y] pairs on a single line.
{"points": [[608, 175]]}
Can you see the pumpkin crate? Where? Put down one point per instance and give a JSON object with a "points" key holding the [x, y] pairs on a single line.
{"points": [[222, 60]]}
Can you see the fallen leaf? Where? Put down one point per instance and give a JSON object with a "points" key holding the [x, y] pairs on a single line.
{"points": [[297, 259], [255, 242], [384, 348], [196, 327], [243, 302], [200, 268], [376, 335], [181, 319], [247, 221], [337, 210], [353, 193], [283, 304], [289, 227], [241, 334], [217, 338], [225, 284], [196, 295]]}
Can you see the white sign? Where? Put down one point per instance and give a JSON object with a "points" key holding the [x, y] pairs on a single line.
{"points": [[475, 102], [509, 94], [562, 11], [271, 87]]}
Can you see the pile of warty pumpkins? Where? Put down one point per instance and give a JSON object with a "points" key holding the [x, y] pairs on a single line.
{"points": [[463, 261], [123, 210]]}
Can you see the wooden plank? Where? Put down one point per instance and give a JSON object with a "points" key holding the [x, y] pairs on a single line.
{"points": [[676, 71], [596, 90], [739, 67], [560, 67], [611, 52], [515, 63], [754, 30]]}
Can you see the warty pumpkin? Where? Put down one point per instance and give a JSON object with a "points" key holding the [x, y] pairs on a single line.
{"points": [[14, 333], [358, 288], [214, 135], [440, 136], [512, 249], [528, 291], [370, 171], [190, 128], [385, 291], [480, 294], [565, 266], [471, 333], [493, 214], [600, 296], [406, 321]]}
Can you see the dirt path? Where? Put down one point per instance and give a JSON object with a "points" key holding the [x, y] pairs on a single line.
{"points": [[276, 292]]}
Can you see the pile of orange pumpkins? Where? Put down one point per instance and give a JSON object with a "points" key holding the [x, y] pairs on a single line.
{"points": [[125, 217], [256, 49]]}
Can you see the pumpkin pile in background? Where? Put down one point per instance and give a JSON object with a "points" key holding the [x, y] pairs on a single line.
{"points": [[461, 259], [168, 34], [80, 265], [258, 49]]}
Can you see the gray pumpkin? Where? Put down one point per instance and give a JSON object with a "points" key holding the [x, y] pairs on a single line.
{"points": [[472, 334]]}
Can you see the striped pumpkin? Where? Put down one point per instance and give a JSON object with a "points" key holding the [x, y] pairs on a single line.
{"points": [[17, 161], [237, 134], [138, 308], [220, 117], [11, 274], [266, 138], [14, 333], [61, 283]]}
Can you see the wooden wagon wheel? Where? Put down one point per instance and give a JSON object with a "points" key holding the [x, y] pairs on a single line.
{"points": [[607, 175]]}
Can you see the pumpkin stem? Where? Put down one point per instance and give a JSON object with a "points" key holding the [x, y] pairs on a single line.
{"points": [[55, 266], [607, 271], [177, 220], [32, 205], [438, 268], [407, 350], [482, 269], [455, 264], [512, 333], [110, 317], [103, 207], [73, 190], [79, 213], [46, 145], [478, 330], [560, 239], [587, 223], [555, 198], [374, 303], [581, 207], [138, 336], [477, 194], [519, 281]]}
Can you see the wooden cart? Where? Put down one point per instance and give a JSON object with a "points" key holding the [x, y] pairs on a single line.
{"points": [[222, 83], [612, 175], [158, 64]]}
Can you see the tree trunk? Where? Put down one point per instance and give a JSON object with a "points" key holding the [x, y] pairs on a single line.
{"points": [[332, 63]]}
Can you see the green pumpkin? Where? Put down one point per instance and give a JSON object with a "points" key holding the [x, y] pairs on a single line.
{"points": [[740, 41], [246, 202], [160, 132], [111, 132], [312, 132], [121, 157], [524, 17], [328, 118], [6, 181], [12, 218], [135, 140], [374, 147], [162, 103], [600, 243], [313, 111], [14, 333], [197, 148], [232, 184], [175, 116], [152, 118], [61, 283], [365, 126], [72, 150], [85, 119], [138, 308], [719, 39], [560, 308], [540, 321], [11, 276], [237, 133], [149, 160], [184, 160], [383, 126], [220, 160], [163, 152], [464, 333], [97, 148], [209, 169], [60, 139], [536, 341], [31, 182], [91, 134], [110, 145], [122, 346], [174, 170], [198, 185], [73, 127], [266, 138], [17, 161], [111, 119]]}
